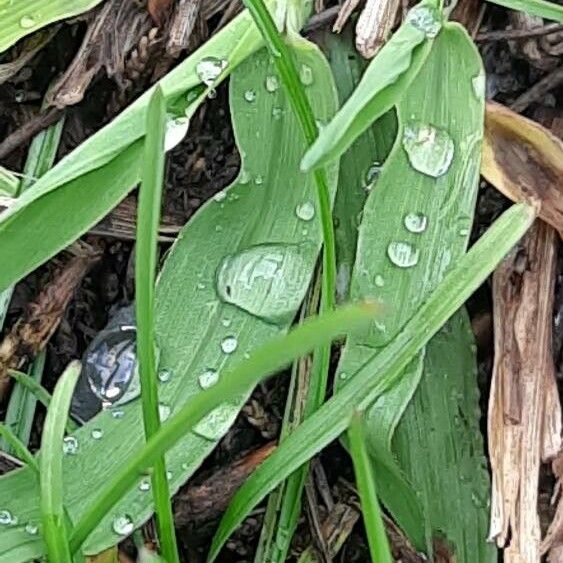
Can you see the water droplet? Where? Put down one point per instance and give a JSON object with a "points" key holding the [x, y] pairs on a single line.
{"points": [[123, 525], [209, 69], [371, 176], [176, 130], [6, 518], [267, 280], [229, 344], [31, 528], [70, 445], [200, 285], [464, 232], [217, 422], [27, 21], [145, 485], [244, 176], [415, 222], [479, 83], [164, 411], [277, 113], [117, 413], [343, 375], [305, 211], [169, 475], [272, 83], [208, 378], [402, 254], [164, 375], [430, 150], [185, 466], [220, 196], [212, 94], [226, 322], [19, 97], [379, 281], [250, 95], [306, 75], [425, 19], [97, 433], [258, 180]]}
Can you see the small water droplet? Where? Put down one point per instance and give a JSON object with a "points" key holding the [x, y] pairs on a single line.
{"points": [[250, 95], [229, 344], [117, 413], [258, 180], [217, 422], [70, 445], [6, 518], [272, 83], [306, 75], [208, 378], [164, 411], [425, 19], [185, 466], [27, 21], [200, 285], [164, 375], [226, 322], [169, 475], [19, 97], [123, 525], [176, 130], [479, 83], [430, 150], [415, 222], [220, 196], [305, 211], [464, 232], [277, 113], [209, 69], [343, 375], [97, 433], [144, 485], [212, 94], [371, 176], [31, 528], [402, 254], [379, 281], [244, 176]]}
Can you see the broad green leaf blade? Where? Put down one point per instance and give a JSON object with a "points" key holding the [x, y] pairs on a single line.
{"points": [[85, 185], [54, 524], [334, 416], [19, 19], [254, 220], [439, 446], [540, 8], [382, 86]]}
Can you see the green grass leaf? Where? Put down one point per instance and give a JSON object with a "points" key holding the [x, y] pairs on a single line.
{"points": [[540, 8], [18, 448], [148, 220], [22, 18], [53, 518], [335, 415]]}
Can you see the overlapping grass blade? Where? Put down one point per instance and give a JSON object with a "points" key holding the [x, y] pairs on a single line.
{"points": [[19, 19], [18, 448], [148, 220], [53, 518], [382, 86], [334, 416], [540, 8], [255, 218]]}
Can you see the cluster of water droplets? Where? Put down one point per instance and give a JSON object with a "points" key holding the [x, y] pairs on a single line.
{"points": [[426, 19]]}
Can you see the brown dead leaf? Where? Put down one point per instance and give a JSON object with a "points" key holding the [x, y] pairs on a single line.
{"points": [[524, 420], [157, 9], [524, 161]]}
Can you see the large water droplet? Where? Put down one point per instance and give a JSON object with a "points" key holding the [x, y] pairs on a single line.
{"points": [[430, 150], [176, 130], [123, 525], [306, 75], [272, 83], [229, 344], [402, 254], [6, 518], [208, 378], [479, 84], [27, 21], [426, 19], [70, 445], [209, 69], [268, 281], [250, 95], [217, 422], [415, 222], [305, 211]]}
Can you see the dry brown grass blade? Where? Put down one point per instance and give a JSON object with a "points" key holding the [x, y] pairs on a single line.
{"points": [[524, 161], [157, 9], [524, 412], [32, 331]]}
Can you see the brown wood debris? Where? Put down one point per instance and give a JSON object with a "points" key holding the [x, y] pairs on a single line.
{"points": [[157, 9], [524, 161], [32, 331], [524, 424]]}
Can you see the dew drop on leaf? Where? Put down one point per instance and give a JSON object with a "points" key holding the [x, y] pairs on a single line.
{"points": [[250, 95], [267, 281], [31, 528], [176, 130], [26, 22], [144, 485], [430, 150], [164, 375], [305, 211], [123, 525], [70, 445], [97, 433], [6, 518], [415, 222], [164, 411], [272, 83], [425, 19], [209, 69], [229, 344], [478, 84], [306, 75], [208, 378], [220, 196], [402, 254], [258, 180], [277, 113], [379, 281]]}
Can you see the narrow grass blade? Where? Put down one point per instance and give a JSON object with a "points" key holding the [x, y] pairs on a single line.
{"points": [[22, 18], [334, 416], [381, 87], [263, 362], [148, 220], [540, 8], [33, 386], [9, 183], [51, 468], [18, 447], [365, 481]]}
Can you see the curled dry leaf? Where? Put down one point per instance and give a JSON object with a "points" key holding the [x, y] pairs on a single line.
{"points": [[524, 161]]}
